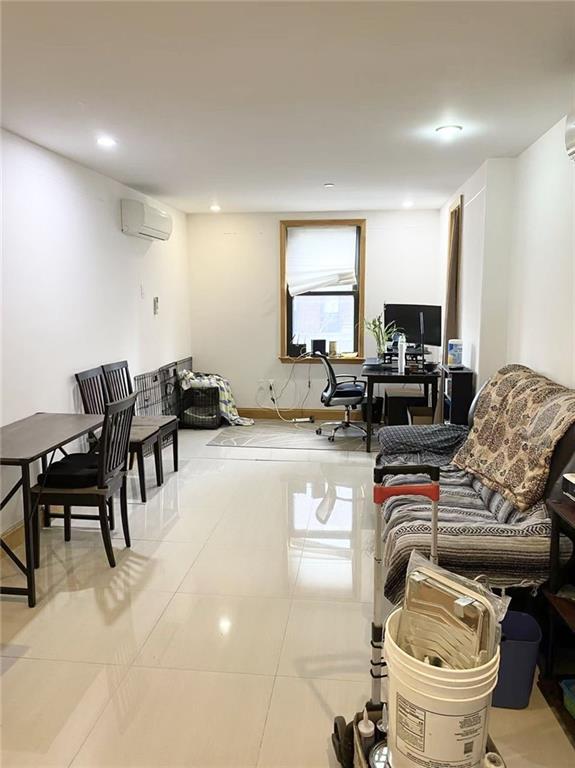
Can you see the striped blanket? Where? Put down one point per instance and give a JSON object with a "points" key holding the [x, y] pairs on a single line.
{"points": [[479, 532]]}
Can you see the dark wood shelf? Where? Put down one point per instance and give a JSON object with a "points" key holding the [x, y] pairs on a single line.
{"points": [[565, 510], [561, 610], [563, 607]]}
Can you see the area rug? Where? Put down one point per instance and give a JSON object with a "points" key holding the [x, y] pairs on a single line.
{"points": [[274, 434]]}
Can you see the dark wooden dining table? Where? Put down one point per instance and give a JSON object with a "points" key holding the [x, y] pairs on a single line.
{"points": [[23, 443]]}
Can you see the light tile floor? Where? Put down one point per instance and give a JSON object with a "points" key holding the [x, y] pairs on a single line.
{"points": [[230, 634]]}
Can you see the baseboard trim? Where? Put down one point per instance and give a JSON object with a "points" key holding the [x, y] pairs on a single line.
{"points": [[14, 537], [319, 414]]}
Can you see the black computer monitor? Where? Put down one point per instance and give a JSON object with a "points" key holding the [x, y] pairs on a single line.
{"points": [[407, 319]]}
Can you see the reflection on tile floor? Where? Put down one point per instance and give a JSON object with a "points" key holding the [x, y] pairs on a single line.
{"points": [[238, 618]]}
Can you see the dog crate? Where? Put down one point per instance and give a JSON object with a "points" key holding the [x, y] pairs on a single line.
{"points": [[201, 408]]}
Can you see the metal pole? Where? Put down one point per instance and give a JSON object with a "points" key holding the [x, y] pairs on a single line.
{"points": [[377, 623], [434, 526]]}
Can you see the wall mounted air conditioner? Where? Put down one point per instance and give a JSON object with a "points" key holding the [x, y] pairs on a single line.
{"points": [[142, 220], [570, 135]]}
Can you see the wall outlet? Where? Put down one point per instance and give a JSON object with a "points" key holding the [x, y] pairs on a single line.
{"points": [[156, 305]]}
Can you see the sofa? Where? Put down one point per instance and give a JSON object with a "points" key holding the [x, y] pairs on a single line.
{"points": [[496, 475]]}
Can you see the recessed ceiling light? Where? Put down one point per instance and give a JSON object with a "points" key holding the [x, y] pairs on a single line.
{"points": [[408, 203], [449, 131], [215, 208], [106, 141], [329, 184]]}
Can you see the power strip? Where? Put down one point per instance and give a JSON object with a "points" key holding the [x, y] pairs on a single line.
{"points": [[300, 420]]}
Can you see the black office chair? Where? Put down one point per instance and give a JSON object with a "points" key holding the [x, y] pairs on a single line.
{"points": [[337, 393]]}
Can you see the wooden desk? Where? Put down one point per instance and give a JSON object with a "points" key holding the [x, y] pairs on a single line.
{"points": [[385, 376], [21, 444]]}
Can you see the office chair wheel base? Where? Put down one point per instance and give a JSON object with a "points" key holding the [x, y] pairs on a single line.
{"points": [[331, 438], [318, 431]]}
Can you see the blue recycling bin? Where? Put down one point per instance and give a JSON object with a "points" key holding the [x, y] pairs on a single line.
{"points": [[520, 638]]}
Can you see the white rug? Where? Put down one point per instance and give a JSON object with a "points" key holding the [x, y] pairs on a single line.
{"points": [[279, 434]]}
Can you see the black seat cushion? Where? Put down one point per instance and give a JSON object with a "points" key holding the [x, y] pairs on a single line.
{"points": [[349, 389], [77, 470]]}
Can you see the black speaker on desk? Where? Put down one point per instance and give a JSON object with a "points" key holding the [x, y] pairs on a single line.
{"points": [[318, 345]]}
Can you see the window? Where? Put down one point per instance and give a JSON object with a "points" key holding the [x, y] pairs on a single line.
{"points": [[321, 269]]}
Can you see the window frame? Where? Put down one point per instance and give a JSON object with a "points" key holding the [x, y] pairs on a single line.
{"points": [[286, 301]]}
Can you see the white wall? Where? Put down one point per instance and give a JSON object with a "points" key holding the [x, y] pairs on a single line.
{"points": [[518, 261], [542, 297], [72, 283], [499, 211], [235, 292]]}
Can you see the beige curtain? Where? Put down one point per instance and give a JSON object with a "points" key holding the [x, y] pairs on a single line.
{"points": [[451, 325]]}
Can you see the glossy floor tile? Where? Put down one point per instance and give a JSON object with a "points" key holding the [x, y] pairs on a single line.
{"points": [[231, 632], [300, 721], [218, 633], [327, 639], [50, 707], [176, 718], [531, 737], [104, 625], [243, 571]]}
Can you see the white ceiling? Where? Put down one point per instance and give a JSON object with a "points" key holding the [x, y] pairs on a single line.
{"points": [[256, 105]]}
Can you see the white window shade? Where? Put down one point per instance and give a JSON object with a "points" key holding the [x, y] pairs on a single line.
{"points": [[320, 258]]}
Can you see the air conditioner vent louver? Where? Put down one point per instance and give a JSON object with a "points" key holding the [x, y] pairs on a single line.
{"points": [[142, 220]]}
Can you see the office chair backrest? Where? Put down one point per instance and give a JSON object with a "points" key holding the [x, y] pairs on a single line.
{"points": [[93, 390], [118, 380], [329, 391], [115, 439]]}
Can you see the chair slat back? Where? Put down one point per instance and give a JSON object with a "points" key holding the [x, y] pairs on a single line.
{"points": [[93, 390], [115, 439], [118, 380]]}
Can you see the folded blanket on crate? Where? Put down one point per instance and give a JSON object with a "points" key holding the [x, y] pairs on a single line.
{"points": [[228, 407]]}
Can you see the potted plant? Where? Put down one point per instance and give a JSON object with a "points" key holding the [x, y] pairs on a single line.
{"points": [[381, 333]]}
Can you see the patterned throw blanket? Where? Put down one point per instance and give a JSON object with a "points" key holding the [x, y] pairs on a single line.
{"points": [[228, 407], [519, 419]]}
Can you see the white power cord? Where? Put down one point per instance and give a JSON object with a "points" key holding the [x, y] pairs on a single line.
{"points": [[276, 398]]}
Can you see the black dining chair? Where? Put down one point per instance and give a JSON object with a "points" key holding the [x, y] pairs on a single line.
{"points": [[119, 383], [92, 479], [143, 437], [338, 392]]}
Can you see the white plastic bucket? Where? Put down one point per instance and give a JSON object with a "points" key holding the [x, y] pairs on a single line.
{"points": [[436, 716]]}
